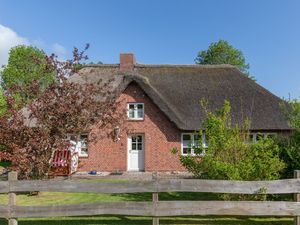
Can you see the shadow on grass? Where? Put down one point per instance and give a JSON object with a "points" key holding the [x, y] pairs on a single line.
{"points": [[192, 196]]}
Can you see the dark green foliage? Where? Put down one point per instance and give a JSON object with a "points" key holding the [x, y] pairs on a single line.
{"points": [[290, 144], [2, 103], [25, 65], [290, 153], [229, 154], [292, 113], [222, 52], [4, 164]]}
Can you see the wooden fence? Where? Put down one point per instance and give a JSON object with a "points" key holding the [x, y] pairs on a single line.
{"points": [[155, 208]]}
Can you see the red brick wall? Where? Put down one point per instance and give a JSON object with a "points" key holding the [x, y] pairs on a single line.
{"points": [[160, 135]]}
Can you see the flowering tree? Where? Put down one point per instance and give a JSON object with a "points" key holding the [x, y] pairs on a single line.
{"points": [[31, 131]]}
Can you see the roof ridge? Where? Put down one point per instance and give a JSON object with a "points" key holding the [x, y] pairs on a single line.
{"points": [[165, 65], [101, 65], [187, 65]]}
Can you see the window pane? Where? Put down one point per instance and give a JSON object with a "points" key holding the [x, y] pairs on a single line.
{"points": [[196, 137], [140, 146], [131, 106], [197, 140], [204, 141], [133, 146], [133, 138], [83, 137], [186, 150], [259, 137], [139, 138], [251, 136], [186, 144], [131, 113], [83, 144], [186, 137], [204, 144], [140, 113], [140, 106]]}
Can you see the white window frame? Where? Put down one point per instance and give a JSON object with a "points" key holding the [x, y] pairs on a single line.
{"points": [[136, 142], [264, 134], [135, 111], [78, 145], [204, 144]]}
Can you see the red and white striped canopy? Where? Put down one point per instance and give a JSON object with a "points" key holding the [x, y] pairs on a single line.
{"points": [[61, 158]]}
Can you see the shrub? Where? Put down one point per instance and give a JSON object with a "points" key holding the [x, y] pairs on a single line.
{"points": [[229, 154], [290, 144]]}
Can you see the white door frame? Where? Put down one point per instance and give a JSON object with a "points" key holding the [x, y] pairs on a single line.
{"points": [[129, 149]]}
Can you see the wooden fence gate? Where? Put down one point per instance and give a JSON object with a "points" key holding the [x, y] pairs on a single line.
{"points": [[155, 208]]}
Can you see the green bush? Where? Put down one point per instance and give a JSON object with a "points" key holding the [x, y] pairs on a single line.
{"points": [[229, 154], [290, 144]]}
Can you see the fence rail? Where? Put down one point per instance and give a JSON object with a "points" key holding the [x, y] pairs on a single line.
{"points": [[155, 208], [177, 185]]}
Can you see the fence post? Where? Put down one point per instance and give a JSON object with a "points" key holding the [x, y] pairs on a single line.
{"points": [[155, 220], [297, 197], [12, 197]]}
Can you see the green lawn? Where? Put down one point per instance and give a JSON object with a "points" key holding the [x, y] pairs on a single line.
{"points": [[54, 198], [47, 198]]}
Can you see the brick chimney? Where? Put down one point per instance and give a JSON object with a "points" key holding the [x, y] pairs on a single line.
{"points": [[127, 62]]}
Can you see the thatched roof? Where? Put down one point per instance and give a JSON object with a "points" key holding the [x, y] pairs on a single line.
{"points": [[177, 90]]}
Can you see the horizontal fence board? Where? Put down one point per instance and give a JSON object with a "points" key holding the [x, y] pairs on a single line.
{"points": [[3, 211], [236, 208], [100, 208], [4, 188], [162, 208], [81, 186], [230, 187], [161, 185]]}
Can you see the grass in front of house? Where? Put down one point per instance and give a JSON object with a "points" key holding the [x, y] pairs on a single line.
{"points": [[57, 198]]}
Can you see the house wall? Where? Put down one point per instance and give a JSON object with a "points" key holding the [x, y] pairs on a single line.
{"points": [[160, 136]]}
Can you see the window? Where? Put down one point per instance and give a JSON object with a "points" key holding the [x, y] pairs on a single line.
{"points": [[137, 142], [191, 141], [81, 145], [254, 137], [135, 111]]}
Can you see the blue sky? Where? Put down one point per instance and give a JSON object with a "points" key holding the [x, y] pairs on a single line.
{"points": [[164, 32]]}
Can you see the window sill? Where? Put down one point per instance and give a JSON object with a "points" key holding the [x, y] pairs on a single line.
{"points": [[133, 119], [193, 155], [83, 156]]}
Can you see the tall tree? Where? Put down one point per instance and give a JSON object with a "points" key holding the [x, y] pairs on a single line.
{"points": [[222, 52], [29, 136], [25, 65]]}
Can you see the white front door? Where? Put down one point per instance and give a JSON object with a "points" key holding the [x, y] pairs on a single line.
{"points": [[136, 152]]}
